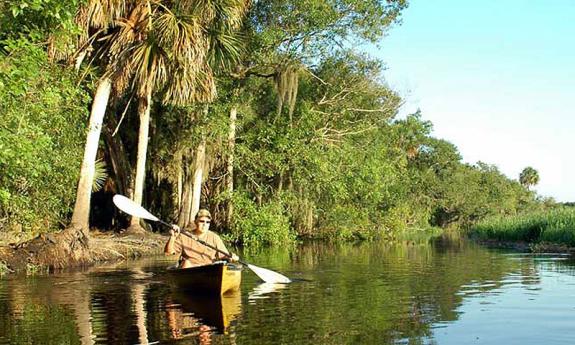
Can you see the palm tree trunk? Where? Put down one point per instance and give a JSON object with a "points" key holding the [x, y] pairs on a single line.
{"points": [[186, 204], [81, 214], [198, 176], [230, 165], [121, 165], [144, 112], [180, 186]]}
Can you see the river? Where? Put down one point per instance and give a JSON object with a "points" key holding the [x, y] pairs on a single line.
{"points": [[445, 292]]}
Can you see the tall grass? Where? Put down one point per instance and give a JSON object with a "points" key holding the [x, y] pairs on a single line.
{"points": [[555, 225]]}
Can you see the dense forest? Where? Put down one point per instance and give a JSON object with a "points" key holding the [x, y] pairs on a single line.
{"points": [[261, 111]]}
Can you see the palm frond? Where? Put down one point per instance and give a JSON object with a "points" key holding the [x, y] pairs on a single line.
{"points": [[203, 9], [102, 14], [181, 35], [231, 12], [172, 46], [190, 83], [100, 175], [148, 63], [226, 48]]}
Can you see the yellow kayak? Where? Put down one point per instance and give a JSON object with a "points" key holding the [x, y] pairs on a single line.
{"points": [[214, 279]]}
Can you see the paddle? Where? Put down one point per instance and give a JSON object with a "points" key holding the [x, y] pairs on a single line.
{"points": [[133, 209]]}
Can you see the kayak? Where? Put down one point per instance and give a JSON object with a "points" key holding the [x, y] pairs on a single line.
{"points": [[214, 279]]}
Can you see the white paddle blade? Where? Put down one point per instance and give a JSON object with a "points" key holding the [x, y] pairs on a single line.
{"points": [[131, 208], [269, 276]]}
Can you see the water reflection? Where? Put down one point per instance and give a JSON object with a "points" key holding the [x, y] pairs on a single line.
{"points": [[264, 289], [211, 313], [370, 293]]}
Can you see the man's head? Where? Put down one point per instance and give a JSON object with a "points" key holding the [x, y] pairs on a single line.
{"points": [[203, 220]]}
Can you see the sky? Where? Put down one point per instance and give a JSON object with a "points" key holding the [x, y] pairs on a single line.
{"points": [[496, 78]]}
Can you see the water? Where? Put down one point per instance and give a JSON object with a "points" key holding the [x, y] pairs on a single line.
{"points": [[372, 293]]}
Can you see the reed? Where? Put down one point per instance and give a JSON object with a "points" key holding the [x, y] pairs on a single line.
{"points": [[555, 226]]}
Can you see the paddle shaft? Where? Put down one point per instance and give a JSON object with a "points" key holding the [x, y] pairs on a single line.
{"points": [[193, 237]]}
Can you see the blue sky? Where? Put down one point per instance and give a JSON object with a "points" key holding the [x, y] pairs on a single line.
{"points": [[496, 78]]}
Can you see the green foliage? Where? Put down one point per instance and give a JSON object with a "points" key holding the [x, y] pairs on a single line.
{"points": [[35, 19], [255, 225], [32, 269], [470, 193], [420, 235], [555, 225], [41, 135], [311, 27], [348, 170], [443, 191]]}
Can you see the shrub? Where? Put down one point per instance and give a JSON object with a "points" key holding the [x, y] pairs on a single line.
{"points": [[254, 225], [41, 138]]}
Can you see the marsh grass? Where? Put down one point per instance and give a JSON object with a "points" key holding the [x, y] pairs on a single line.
{"points": [[555, 226], [420, 235]]}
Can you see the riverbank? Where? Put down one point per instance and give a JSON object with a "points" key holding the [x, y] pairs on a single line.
{"points": [[528, 247], [104, 247]]}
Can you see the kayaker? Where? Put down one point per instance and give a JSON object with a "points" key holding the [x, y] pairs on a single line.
{"points": [[193, 253]]}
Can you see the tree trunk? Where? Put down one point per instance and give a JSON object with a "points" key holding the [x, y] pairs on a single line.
{"points": [[79, 59], [118, 157], [186, 208], [280, 183], [144, 112], [230, 165], [198, 176], [289, 181], [81, 214], [180, 186]]}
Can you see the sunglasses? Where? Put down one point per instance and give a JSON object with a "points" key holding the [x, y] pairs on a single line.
{"points": [[204, 221]]}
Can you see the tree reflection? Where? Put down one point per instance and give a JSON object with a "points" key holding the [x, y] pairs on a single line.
{"points": [[372, 293], [139, 302]]}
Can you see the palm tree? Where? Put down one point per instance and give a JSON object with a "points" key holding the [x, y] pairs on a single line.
{"points": [[145, 45], [179, 45], [529, 177], [100, 15]]}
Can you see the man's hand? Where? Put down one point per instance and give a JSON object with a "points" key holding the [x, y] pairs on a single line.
{"points": [[175, 230], [235, 258]]}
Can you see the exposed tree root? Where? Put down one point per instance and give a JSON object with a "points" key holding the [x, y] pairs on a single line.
{"points": [[70, 248]]}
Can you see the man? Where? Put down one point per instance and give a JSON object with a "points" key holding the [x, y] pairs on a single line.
{"points": [[193, 253]]}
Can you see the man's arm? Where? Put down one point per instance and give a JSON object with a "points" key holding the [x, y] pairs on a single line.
{"points": [[221, 246], [170, 248]]}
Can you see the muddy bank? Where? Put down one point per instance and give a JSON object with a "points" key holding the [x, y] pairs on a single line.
{"points": [[103, 247]]}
